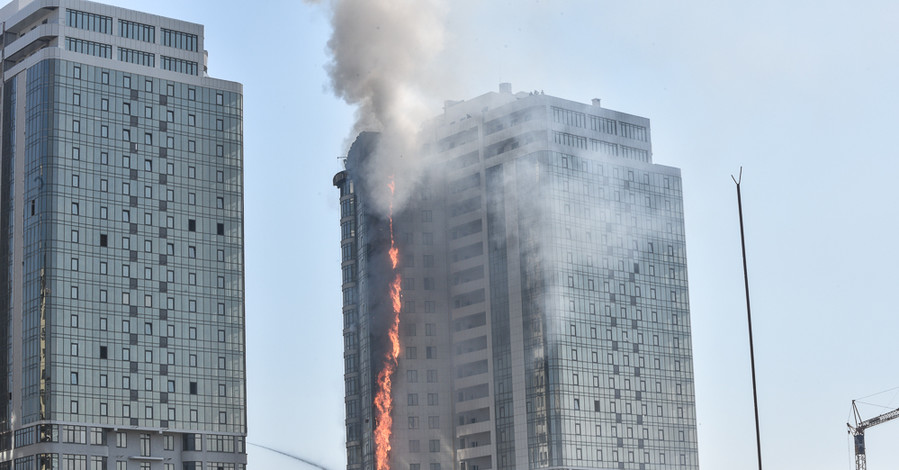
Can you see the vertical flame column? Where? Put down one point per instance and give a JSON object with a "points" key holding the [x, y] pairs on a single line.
{"points": [[384, 395]]}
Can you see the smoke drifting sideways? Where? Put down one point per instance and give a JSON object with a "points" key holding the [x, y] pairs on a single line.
{"points": [[381, 57]]}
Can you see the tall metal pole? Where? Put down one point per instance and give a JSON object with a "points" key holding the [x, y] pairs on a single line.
{"points": [[755, 397]]}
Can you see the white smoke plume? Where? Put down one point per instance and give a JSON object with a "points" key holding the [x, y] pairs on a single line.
{"points": [[381, 57]]}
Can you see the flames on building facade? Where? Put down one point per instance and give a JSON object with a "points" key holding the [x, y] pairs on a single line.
{"points": [[383, 393]]}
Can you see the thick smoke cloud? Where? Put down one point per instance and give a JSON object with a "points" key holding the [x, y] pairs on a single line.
{"points": [[381, 54]]}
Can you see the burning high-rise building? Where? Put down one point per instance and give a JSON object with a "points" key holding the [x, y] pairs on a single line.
{"points": [[545, 319], [121, 244]]}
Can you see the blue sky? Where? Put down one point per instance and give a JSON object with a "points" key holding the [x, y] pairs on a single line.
{"points": [[802, 94]]}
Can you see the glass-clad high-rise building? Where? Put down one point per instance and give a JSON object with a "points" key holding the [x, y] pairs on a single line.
{"points": [[121, 244], [545, 319]]}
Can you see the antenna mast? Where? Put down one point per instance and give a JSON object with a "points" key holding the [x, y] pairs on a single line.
{"points": [[755, 397]]}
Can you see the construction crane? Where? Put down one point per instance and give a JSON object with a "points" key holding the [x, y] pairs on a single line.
{"points": [[858, 432]]}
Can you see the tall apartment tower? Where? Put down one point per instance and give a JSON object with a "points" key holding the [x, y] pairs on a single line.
{"points": [[121, 244], [545, 320]]}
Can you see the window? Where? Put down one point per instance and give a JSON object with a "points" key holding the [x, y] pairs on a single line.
{"points": [[126, 135], [74, 208], [179, 40], [191, 120], [76, 126], [191, 146], [191, 172], [104, 78], [76, 97], [219, 125], [219, 99]]}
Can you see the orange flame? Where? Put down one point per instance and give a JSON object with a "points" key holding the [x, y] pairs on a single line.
{"points": [[383, 395]]}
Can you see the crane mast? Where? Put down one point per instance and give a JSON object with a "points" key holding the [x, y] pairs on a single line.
{"points": [[858, 432]]}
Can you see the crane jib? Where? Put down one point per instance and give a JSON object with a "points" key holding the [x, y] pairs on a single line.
{"points": [[858, 432]]}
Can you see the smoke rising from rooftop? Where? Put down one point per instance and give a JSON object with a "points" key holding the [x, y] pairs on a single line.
{"points": [[381, 53]]}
